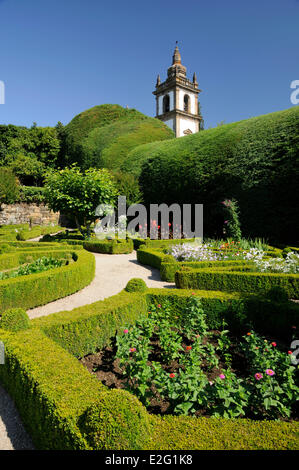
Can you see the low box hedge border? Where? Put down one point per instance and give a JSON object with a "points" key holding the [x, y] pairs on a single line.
{"points": [[24, 232], [227, 279], [153, 254], [38, 289], [109, 246], [168, 269], [160, 244], [64, 407], [100, 246]]}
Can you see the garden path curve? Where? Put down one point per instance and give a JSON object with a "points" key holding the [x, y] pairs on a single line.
{"points": [[112, 274]]}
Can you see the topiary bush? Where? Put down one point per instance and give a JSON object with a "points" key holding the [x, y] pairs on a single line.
{"points": [[102, 136], [250, 161], [129, 428], [136, 285], [15, 319]]}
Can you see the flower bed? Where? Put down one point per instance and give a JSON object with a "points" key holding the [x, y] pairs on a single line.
{"points": [[170, 255], [64, 407], [183, 368]]}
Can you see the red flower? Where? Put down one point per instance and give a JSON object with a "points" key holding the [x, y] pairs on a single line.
{"points": [[188, 348], [290, 352], [273, 344], [172, 375]]}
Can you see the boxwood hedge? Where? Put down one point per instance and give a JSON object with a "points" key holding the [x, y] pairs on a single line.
{"points": [[65, 407], [236, 279], [38, 289], [250, 160]]}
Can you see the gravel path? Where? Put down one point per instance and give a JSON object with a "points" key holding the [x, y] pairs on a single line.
{"points": [[112, 274], [12, 433]]}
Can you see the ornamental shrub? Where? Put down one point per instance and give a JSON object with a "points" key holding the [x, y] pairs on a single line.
{"points": [[232, 227], [136, 285], [102, 136], [14, 319], [9, 186], [129, 428], [250, 161]]}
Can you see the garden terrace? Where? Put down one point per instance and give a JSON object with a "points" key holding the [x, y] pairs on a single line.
{"points": [[64, 407]]}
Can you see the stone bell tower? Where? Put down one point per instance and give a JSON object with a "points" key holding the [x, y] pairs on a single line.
{"points": [[177, 99]]}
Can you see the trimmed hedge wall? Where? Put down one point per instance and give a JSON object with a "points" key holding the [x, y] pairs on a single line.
{"points": [[38, 289], [23, 232], [88, 328], [168, 270], [250, 161], [65, 407], [231, 280], [109, 246], [181, 432], [150, 257], [50, 388], [152, 253], [160, 245]]}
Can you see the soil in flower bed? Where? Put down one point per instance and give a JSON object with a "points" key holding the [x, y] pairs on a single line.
{"points": [[106, 367]]}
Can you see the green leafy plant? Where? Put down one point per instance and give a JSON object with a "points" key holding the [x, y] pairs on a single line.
{"points": [[78, 194], [228, 396], [232, 223]]}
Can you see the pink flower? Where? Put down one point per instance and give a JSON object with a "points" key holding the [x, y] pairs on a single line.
{"points": [[273, 344], [226, 221], [258, 376], [132, 349], [193, 293], [222, 376], [270, 372], [159, 305], [126, 331]]}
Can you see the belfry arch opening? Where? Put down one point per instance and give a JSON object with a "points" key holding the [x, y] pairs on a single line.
{"points": [[187, 103], [166, 104]]}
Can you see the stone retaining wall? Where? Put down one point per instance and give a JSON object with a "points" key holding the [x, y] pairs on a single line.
{"points": [[28, 213]]}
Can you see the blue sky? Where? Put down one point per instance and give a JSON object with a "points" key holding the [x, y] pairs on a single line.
{"points": [[61, 57]]}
